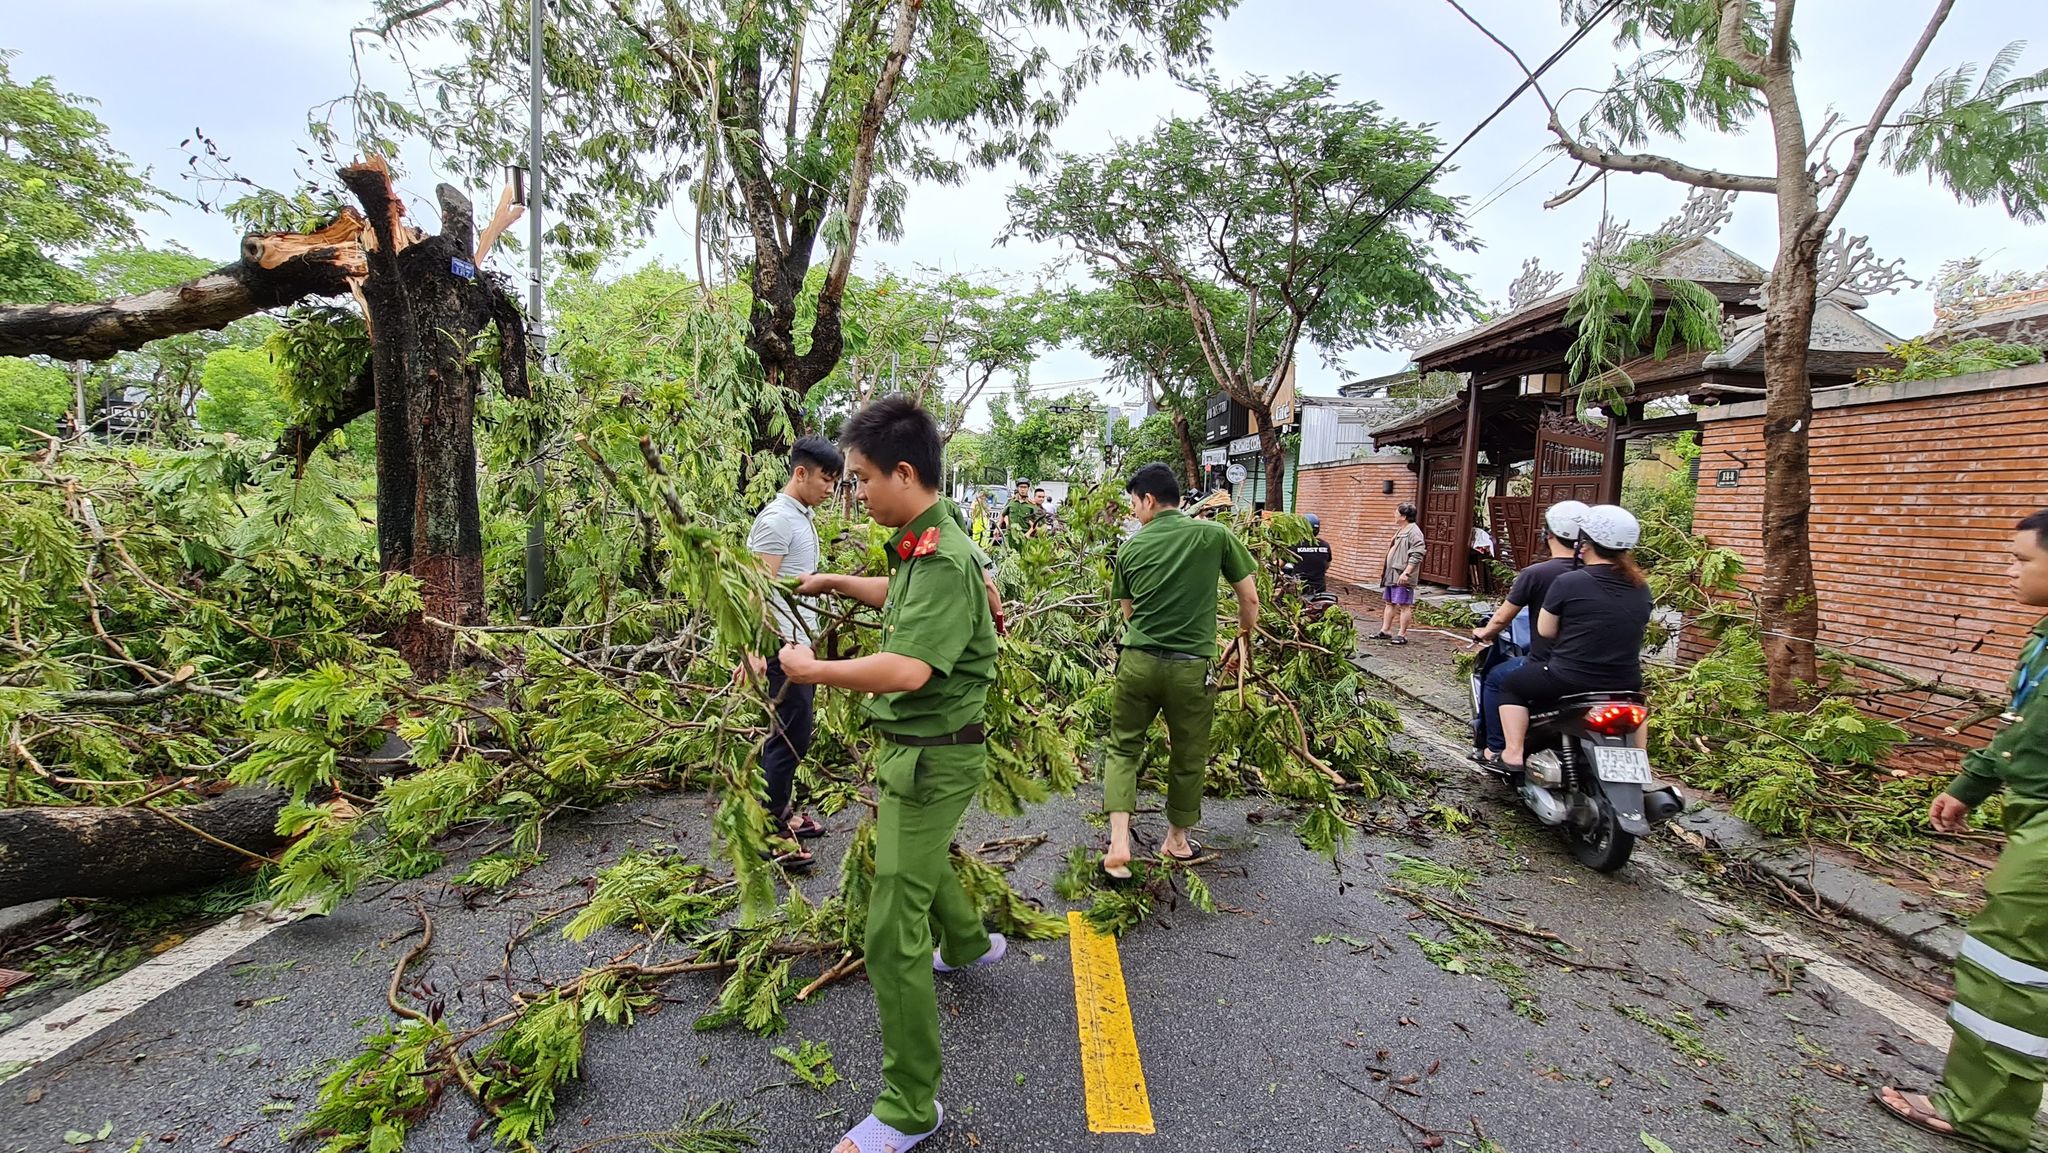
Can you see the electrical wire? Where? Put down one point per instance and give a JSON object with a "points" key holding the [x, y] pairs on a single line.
{"points": [[1528, 82]]}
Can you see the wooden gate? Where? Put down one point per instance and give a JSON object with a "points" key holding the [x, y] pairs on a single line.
{"points": [[1570, 457], [1511, 516], [1443, 562]]}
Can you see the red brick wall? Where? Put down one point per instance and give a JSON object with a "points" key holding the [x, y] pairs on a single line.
{"points": [[1913, 506], [1357, 514]]}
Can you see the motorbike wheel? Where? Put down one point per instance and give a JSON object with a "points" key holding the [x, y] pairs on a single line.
{"points": [[1604, 846]]}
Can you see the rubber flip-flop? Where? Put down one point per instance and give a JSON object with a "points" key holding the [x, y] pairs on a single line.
{"points": [[797, 861], [1117, 872], [806, 828], [1195, 850], [872, 1136], [1928, 1120], [998, 945]]}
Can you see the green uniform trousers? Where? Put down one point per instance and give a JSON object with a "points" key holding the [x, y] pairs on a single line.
{"points": [[1991, 1086], [923, 794], [1147, 686]]}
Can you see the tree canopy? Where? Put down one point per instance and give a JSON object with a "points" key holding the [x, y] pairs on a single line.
{"points": [[64, 189], [1283, 215]]}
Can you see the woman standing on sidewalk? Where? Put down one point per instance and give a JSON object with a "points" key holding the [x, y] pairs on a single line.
{"points": [[1397, 583]]}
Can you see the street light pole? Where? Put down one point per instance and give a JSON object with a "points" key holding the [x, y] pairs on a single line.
{"points": [[536, 522]]}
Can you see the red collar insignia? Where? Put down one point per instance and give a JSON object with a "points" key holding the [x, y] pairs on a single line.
{"points": [[913, 545]]}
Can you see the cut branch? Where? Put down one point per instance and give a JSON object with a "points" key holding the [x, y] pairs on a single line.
{"points": [[276, 269]]}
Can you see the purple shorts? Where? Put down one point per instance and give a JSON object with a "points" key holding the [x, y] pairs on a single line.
{"points": [[1400, 594]]}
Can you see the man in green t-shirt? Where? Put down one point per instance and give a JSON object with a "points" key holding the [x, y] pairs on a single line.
{"points": [[929, 684], [1166, 579]]}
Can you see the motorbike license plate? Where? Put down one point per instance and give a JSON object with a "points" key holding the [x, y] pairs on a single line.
{"points": [[1623, 766]]}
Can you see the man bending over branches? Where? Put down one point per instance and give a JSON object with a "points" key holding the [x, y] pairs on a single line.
{"points": [[929, 684]]}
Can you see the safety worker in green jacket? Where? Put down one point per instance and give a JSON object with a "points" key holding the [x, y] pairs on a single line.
{"points": [[930, 683], [1165, 580], [1991, 1087]]}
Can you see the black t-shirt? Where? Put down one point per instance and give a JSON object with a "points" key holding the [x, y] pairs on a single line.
{"points": [[1601, 619], [1312, 563], [1532, 588]]}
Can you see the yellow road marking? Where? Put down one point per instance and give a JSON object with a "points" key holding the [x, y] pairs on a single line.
{"points": [[1110, 1071]]}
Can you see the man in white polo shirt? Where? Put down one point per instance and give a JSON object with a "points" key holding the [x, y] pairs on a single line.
{"points": [[785, 541]]}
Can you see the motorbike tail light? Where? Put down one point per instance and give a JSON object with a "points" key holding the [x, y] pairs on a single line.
{"points": [[1617, 719]]}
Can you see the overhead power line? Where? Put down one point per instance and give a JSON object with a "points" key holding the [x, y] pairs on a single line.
{"points": [[1528, 82]]}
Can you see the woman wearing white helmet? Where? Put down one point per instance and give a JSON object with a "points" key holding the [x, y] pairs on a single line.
{"points": [[1525, 599], [1593, 620]]}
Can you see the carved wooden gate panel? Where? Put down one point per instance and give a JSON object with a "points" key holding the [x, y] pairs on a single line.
{"points": [[1570, 457], [1443, 563]]}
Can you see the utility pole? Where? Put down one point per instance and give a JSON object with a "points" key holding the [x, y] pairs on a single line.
{"points": [[536, 523]]}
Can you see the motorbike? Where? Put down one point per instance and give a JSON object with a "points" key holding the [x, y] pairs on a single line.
{"points": [[1316, 601], [1582, 774]]}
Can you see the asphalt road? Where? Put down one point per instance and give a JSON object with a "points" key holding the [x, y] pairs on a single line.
{"points": [[1305, 1016]]}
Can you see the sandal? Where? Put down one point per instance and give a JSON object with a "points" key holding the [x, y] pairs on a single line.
{"points": [[806, 827], [1115, 872], [1397, 640], [1195, 851], [872, 1136], [1378, 636], [1917, 1110], [998, 947], [794, 860]]}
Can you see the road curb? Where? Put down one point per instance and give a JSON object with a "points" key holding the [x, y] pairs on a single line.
{"points": [[1856, 895]]}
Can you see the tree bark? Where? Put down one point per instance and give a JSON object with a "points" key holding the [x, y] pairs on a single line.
{"points": [[1190, 460], [1275, 454], [425, 318], [88, 851], [276, 269], [1789, 603]]}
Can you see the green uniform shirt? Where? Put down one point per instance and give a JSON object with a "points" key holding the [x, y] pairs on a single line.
{"points": [[1168, 571], [2017, 758], [937, 612]]}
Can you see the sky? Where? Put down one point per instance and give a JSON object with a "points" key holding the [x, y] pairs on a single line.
{"points": [[247, 73]]}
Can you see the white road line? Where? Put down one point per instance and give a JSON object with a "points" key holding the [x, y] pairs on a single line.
{"points": [[49, 1035]]}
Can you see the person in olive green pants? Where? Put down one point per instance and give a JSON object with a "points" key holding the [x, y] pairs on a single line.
{"points": [[930, 685], [1991, 1086], [1166, 580]]}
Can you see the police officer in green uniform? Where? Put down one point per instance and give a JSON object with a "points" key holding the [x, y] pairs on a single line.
{"points": [[1991, 1087], [1166, 579], [929, 684]]}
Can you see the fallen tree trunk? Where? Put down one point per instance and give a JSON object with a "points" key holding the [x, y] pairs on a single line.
{"points": [[276, 269], [89, 851]]}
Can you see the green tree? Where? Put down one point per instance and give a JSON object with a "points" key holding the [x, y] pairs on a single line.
{"points": [[1316, 214], [1724, 66], [788, 125], [240, 392], [63, 189], [33, 395], [1044, 439], [1152, 343]]}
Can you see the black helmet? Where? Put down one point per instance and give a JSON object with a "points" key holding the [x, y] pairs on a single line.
{"points": [[1315, 523]]}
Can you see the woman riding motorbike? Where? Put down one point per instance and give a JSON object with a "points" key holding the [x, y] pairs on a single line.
{"points": [[1594, 619]]}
